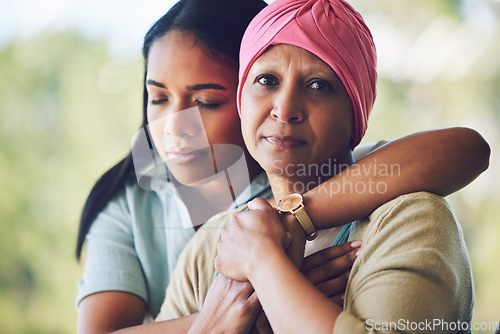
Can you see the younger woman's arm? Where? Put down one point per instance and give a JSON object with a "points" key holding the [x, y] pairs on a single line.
{"points": [[110, 311], [107, 311], [439, 161]]}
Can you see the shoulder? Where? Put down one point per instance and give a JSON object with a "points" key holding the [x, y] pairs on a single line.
{"points": [[408, 213], [421, 219], [129, 196], [125, 205], [421, 197], [418, 231], [413, 246], [423, 207], [135, 196]]}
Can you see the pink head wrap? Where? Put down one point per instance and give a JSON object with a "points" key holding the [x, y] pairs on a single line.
{"points": [[330, 29]]}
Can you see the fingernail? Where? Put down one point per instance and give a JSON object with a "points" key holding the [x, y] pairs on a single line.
{"points": [[250, 205], [359, 251], [356, 244]]}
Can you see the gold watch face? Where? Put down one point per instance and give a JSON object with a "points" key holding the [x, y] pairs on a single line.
{"points": [[290, 202]]}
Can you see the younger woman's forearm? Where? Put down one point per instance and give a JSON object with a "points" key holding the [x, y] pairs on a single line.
{"points": [[439, 161], [179, 325]]}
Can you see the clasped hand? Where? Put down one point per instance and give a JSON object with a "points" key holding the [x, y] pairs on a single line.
{"points": [[250, 235], [245, 242]]}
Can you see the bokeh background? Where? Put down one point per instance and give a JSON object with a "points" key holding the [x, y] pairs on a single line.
{"points": [[70, 102]]}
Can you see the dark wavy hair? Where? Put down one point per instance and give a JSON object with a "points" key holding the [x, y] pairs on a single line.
{"points": [[218, 26]]}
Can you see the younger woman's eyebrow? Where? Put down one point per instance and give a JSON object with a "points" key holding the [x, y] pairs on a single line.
{"points": [[155, 83], [206, 86], [193, 87]]}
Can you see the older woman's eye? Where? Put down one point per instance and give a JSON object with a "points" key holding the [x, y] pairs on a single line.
{"points": [[321, 85], [267, 80]]}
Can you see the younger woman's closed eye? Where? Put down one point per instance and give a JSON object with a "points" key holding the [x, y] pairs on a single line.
{"points": [[208, 106], [159, 101]]}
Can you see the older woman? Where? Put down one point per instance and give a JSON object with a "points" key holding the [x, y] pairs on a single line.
{"points": [[307, 85]]}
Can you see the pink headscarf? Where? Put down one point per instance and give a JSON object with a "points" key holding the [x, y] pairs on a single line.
{"points": [[330, 29]]}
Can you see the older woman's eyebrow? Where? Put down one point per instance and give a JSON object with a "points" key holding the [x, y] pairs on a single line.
{"points": [[333, 76], [264, 66], [155, 83], [206, 86]]}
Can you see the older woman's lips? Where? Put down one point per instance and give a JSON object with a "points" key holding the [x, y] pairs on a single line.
{"points": [[284, 141], [184, 158]]}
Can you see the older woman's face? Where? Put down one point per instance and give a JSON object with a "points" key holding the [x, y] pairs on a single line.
{"points": [[295, 111]]}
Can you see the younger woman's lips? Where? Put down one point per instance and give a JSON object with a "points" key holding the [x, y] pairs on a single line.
{"points": [[184, 158], [284, 141]]}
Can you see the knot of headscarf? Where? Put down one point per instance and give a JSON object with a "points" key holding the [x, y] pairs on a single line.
{"points": [[330, 29]]}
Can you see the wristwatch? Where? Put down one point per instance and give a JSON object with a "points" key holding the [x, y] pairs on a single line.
{"points": [[294, 204]]}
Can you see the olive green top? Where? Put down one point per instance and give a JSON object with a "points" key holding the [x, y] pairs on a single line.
{"points": [[414, 271]]}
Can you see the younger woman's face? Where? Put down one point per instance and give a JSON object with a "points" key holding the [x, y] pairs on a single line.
{"points": [[180, 76]]}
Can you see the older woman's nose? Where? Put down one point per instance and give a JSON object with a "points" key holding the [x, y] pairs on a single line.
{"points": [[288, 105]]}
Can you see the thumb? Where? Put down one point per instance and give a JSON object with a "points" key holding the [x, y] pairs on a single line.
{"points": [[259, 204]]}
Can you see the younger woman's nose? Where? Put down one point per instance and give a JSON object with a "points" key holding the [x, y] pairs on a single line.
{"points": [[184, 123]]}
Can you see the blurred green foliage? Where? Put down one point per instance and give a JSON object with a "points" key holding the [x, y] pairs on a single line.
{"points": [[69, 108], [439, 67]]}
